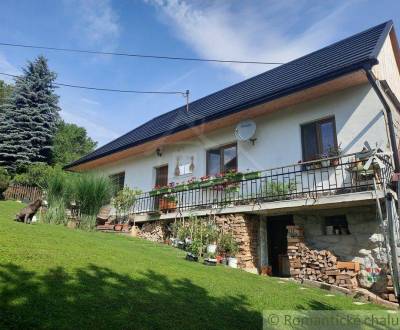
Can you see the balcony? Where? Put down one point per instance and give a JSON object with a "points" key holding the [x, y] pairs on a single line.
{"points": [[353, 173]]}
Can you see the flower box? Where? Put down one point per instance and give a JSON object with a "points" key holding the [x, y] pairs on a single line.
{"points": [[218, 181], [206, 184], [234, 177], [180, 188], [193, 185], [161, 191], [252, 175]]}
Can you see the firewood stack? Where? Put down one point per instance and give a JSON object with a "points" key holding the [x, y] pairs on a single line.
{"points": [[152, 231], [317, 265], [389, 292]]}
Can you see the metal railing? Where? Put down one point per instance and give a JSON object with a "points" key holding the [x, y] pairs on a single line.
{"points": [[314, 179]]}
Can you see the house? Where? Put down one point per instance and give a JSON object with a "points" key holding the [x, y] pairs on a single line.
{"points": [[320, 158]]}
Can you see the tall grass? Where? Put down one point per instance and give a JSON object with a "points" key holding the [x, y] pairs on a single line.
{"points": [[58, 197], [59, 187], [90, 192], [56, 213]]}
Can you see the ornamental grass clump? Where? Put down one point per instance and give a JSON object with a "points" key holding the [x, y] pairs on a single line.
{"points": [[58, 194], [56, 213], [90, 192]]}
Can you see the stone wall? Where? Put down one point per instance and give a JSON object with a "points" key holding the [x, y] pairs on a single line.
{"points": [[362, 222], [245, 229], [364, 244]]}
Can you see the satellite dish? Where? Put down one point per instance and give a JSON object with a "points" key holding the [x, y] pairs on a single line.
{"points": [[245, 130]]}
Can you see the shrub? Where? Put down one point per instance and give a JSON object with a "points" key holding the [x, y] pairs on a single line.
{"points": [[276, 189], [227, 244], [35, 175], [4, 181], [196, 248], [124, 201]]}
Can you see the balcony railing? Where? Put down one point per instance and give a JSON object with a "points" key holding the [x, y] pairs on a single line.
{"points": [[314, 179]]}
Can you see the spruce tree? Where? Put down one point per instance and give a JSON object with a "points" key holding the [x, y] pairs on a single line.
{"points": [[29, 118]]}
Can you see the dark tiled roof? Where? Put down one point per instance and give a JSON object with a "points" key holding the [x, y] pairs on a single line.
{"points": [[332, 61]]}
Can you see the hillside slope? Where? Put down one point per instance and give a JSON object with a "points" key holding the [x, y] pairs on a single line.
{"points": [[54, 277]]}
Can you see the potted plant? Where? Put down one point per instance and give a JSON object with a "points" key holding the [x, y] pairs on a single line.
{"points": [[210, 259], [211, 238], [168, 202], [123, 202], [324, 161], [335, 152], [229, 246], [194, 250]]}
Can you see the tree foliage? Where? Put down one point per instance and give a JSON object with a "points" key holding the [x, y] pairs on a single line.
{"points": [[5, 92], [4, 181], [70, 143], [29, 117], [35, 175]]}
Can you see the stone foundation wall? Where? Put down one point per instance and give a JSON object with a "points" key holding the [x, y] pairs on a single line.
{"points": [[364, 244], [245, 229], [363, 226]]}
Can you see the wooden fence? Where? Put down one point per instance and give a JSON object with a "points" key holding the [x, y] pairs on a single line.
{"points": [[23, 193]]}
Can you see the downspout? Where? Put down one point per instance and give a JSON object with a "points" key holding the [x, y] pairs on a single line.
{"points": [[391, 216], [392, 134]]}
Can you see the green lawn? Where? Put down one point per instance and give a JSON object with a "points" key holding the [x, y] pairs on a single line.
{"points": [[55, 277]]}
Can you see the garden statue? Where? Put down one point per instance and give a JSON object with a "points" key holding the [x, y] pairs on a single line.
{"points": [[27, 213]]}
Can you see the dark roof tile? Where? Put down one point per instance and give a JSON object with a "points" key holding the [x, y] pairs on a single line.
{"points": [[332, 61]]}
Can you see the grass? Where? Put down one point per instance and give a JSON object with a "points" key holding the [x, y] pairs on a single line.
{"points": [[55, 277]]}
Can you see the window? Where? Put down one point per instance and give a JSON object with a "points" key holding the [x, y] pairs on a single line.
{"points": [[221, 160], [318, 138], [118, 180], [336, 225]]}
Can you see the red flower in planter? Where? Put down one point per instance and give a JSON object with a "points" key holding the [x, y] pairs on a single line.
{"points": [[205, 178]]}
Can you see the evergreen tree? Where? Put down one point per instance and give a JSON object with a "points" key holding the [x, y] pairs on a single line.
{"points": [[5, 92], [29, 117]]}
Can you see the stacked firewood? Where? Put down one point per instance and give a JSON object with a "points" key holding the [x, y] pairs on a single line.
{"points": [[321, 266], [389, 292], [152, 231], [317, 265]]}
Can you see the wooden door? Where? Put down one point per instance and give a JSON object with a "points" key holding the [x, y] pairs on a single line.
{"points": [[161, 181], [162, 176], [277, 241]]}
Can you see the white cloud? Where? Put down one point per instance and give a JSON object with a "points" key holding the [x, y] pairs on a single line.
{"points": [[266, 31], [97, 21], [96, 131], [89, 101]]}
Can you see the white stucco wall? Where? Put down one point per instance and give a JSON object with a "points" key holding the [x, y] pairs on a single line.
{"points": [[387, 67], [358, 114]]}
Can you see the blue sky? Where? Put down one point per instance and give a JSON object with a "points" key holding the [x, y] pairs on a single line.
{"points": [[249, 30]]}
